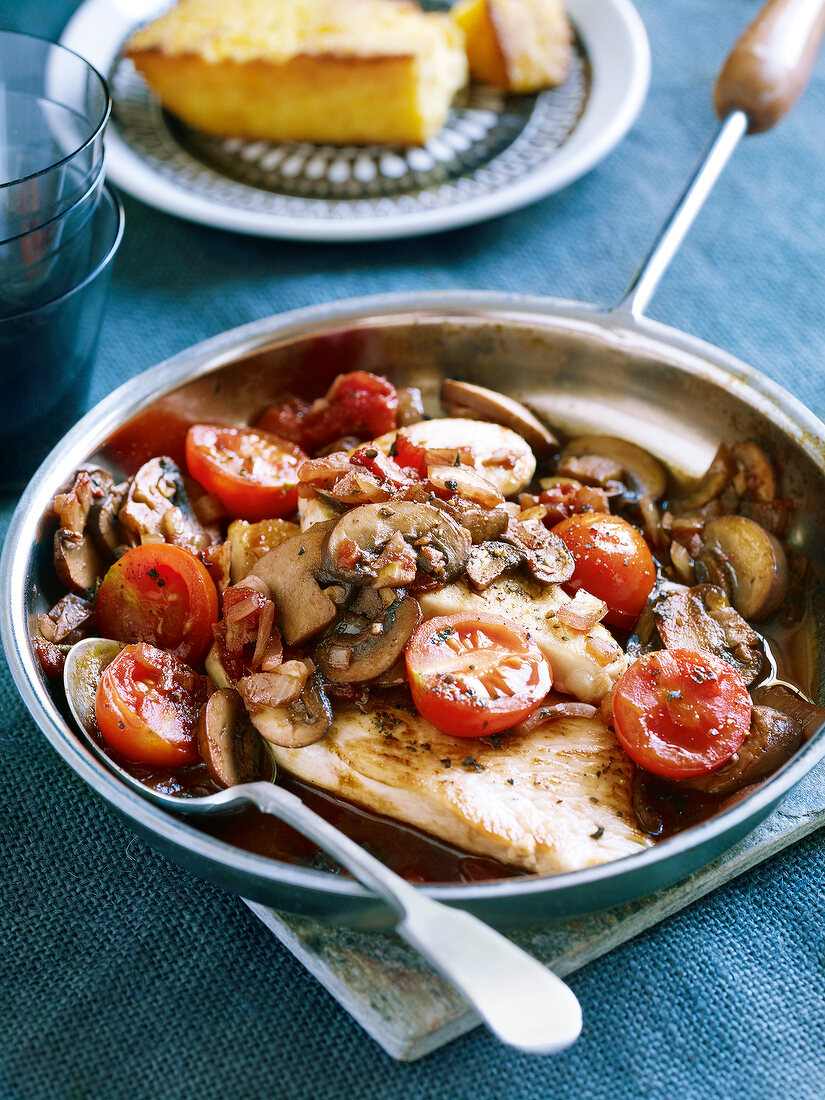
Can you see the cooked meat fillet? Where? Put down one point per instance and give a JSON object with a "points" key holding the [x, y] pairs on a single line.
{"points": [[556, 799], [584, 664]]}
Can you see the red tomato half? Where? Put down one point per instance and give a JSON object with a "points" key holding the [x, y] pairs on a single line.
{"points": [[364, 403], [254, 473], [613, 563], [357, 404], [681, 714], [147, 707], [162, 595], [473, 675]]}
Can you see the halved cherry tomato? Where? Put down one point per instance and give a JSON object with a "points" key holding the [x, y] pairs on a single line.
{"points": [[254, 473], [475, 674], [357, 404], [681, 714], [613, 563], [159, 594], [365, 403], [147, 705]]}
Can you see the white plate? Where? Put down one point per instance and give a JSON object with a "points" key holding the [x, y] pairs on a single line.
{"points": [[496, 153]]}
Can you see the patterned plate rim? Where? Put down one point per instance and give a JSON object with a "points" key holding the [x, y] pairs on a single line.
{"points": [[616, 43]]}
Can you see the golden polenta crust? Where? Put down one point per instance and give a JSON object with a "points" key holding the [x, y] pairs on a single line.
{"points": [[517, 45], [328, 71]]}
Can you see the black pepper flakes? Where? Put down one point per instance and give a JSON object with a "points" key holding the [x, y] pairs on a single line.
{"points": [[599, 833], [471, 764]]}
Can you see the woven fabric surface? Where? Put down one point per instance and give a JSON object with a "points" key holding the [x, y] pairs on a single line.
{"points": [[122, 977]]}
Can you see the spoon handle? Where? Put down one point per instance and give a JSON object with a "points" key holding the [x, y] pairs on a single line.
{"points": [[523, 1003]]}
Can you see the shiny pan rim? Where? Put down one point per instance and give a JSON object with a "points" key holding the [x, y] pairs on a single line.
{"points": [[640, 334]]}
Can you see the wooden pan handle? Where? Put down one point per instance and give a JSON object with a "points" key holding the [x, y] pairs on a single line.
{"points": [[769, 66]]}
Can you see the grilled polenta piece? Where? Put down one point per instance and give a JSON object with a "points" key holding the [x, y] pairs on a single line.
{"points": [[332, 71], [517, 45]]}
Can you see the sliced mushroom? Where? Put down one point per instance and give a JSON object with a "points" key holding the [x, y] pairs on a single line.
{"points": [[810, 716], [487, 562], [701, 618], [463, 399], [294, 725], [349, 657], [594, 470], [290, 572], [68, 621], [483, 524], [642, 473], [157, 490], [757, 470], [354, 546], [104, 526], [228, 742], [76, 561], [713, 482], [773, 739], [546, 557], [72, 507], [747, 562]]}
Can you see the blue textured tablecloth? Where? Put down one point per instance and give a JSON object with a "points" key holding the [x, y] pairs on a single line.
{"points": [[122, 977]]}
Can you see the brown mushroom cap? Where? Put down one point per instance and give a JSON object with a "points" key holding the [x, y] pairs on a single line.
{"points": [[76, 561], [291, 571], [757, 470], [229, 744], [721, 471], [157, 504], [747, 562], [774, 738], [464, 399], [356, 651], [103, 523], [363, 532], [701, 619]]}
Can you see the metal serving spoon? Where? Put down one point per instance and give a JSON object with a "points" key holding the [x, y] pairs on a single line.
{"points": [[522, 1002]]}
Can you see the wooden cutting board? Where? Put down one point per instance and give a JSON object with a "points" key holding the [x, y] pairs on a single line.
{"points": [[410, 1010]]}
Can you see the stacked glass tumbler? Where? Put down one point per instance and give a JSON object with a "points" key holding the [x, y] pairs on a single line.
{"points": [[60, 227]]}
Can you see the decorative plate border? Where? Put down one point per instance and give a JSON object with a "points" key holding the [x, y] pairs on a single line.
{"points": [[555, 143]]}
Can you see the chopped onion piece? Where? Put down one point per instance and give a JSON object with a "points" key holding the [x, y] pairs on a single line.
{"points": [[274, 689], [467, 483], [265, 624], [582, 612], [566, 709]]}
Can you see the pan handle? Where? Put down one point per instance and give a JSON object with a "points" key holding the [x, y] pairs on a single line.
{"points": [[768, 68], [761, 80]]}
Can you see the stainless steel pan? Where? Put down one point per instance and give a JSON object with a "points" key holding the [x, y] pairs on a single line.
{"points": [[583, 368]]}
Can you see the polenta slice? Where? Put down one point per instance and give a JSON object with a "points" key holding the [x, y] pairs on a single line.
{"points": [[517, 45], [331, 71]]}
